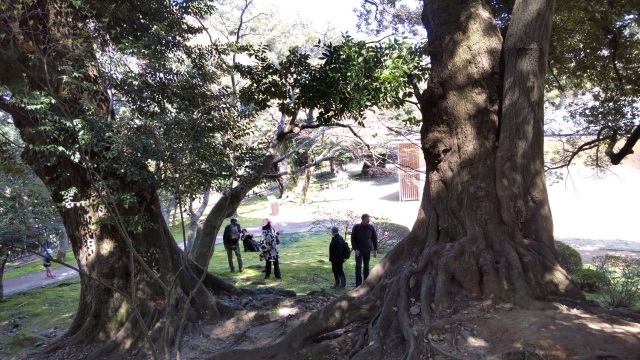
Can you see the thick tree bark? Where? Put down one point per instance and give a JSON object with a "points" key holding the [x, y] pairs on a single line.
{"points": [[484, 229], [105, 250], [128, 277]]}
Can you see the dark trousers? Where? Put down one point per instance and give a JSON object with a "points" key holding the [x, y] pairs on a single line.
{"points": [[338, 273], [276, 269], [234, 249], [361, 260]]}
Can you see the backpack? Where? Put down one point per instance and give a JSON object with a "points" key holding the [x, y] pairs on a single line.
{"points": [[234, 234], [346, 250]]}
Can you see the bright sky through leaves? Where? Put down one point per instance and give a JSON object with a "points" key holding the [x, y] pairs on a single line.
{"points": [[336, 13]]}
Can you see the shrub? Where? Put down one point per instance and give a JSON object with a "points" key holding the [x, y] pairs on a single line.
{"points": [[589, 280], [568, 257], [623, 279], [389, 234]]}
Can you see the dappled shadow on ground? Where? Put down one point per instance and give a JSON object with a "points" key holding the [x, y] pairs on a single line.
{"points": [[485, 329], [465, 331]]}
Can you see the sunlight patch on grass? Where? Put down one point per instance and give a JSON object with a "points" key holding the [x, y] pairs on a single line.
{"points": [[304, 263], [37, 316]]}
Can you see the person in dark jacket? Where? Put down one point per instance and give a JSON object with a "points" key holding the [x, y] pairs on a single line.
{"points": [[231, 241], [336, 257], [363, 240]]}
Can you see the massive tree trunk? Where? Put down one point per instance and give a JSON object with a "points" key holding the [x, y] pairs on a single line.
{"points": [[132, 272], [484, 229], [120, 267]]}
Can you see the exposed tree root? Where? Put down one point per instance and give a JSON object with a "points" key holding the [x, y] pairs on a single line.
{"points": [[385, 300]]}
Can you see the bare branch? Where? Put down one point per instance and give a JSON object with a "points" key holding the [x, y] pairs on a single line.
{"points": [[315, 126], [554, 76], [204, 27]]}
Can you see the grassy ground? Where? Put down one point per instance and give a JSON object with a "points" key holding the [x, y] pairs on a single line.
{"points": [[27, 319], [304, 263]]}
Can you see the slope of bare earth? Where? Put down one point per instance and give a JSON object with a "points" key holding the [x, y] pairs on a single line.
{"points": [[480, 330]]}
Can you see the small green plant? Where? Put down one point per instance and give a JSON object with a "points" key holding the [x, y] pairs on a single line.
{"points": [[589, 280], [623, 279], [568, 257]]}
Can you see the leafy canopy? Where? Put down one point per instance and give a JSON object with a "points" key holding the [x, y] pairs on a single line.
{"points": [[346, 80]]}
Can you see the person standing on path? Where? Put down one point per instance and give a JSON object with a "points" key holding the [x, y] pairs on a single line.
{"points": [[269, 249], [336, 257], [363, 240], [231, 241], [46, 262]]}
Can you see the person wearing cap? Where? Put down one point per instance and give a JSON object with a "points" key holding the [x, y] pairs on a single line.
{"points": [[231, 241], [46, 262], [269, 249]]}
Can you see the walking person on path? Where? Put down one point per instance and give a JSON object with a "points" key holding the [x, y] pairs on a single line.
{"points": [[269, 249], [231, 241], [46, 262], [363, 240], [336, 257]]}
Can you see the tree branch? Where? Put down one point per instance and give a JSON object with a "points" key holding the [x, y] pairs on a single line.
{"points": [[614, 157], [554, 76], [317, 162], [626, 149], [315, 126]]}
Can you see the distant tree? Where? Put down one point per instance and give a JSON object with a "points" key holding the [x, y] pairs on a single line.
{"points": [[29, 221], [594, 64], [339, 86]]}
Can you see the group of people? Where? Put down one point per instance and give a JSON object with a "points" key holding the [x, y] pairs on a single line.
{"points": [[364, 242], [268, 246]]}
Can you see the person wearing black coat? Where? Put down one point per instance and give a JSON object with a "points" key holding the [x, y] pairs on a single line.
{"points": [[231, 241], [363, 240], [336, 257]]}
